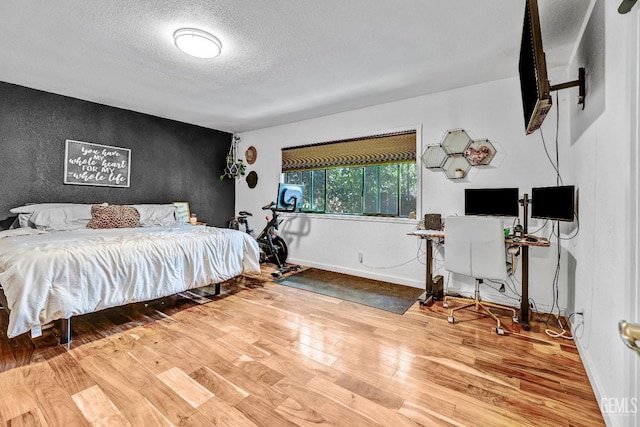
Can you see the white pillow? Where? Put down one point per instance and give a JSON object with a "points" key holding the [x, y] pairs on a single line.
{"points": [[61, 218], [156, 215], [29, 209], [23, 219], [47, 213]]}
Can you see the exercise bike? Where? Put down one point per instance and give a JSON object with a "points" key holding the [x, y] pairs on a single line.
{"points": [[273, 248]]}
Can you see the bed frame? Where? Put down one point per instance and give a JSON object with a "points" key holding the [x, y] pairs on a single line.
{"points": [[65, 324]]}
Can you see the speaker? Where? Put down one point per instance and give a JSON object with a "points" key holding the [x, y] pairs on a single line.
{"points": [[432, 222]]}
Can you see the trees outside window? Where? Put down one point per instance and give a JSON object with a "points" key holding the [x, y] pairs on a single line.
{"points": [[381, 190], [368, 175]]}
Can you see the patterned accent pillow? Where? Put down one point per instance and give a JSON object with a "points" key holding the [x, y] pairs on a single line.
{"points": [[114, 217]]}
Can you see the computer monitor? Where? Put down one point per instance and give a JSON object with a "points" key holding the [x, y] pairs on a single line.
{"points": [[491, 201], [289, 196], [555, 203]]}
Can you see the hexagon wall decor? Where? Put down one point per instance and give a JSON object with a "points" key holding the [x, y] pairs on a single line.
{"points": [[457, 153], [433, 156], [480, 152], [456, 166], [455, 141]]}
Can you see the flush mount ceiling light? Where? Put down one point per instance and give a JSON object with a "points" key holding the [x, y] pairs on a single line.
{"points": [[197, 43]]}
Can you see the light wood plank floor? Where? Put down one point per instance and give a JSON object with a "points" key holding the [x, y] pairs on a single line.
{"points": [[268, 355]]}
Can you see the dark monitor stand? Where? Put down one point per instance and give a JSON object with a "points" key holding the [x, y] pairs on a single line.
{"points": [[524, 304], [434, 289]]}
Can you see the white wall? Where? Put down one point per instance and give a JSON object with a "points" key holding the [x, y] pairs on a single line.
{"points": [[598, 154], [492, 110], [602, 150]]}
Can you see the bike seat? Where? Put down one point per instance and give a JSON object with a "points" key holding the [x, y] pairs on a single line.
{"points": [[244, 213], [269, 206]]}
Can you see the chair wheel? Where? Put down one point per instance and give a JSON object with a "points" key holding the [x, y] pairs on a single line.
{"points": [[515, 319], [450, 319], [499, 331], [445, 305]]}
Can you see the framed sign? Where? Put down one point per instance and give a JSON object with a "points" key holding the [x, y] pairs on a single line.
{"points": [[182, 213], [86, 163]]}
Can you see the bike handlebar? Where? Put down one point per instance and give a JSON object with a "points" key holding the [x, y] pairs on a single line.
{"points": [[271, 206], [274, 207]]}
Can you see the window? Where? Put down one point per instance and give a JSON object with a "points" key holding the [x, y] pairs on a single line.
{"points": [[375, 175]]}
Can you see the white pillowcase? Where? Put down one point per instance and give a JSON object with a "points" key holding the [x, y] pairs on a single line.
{"points": [[74, 216], [61, 218], [54, 216], [23, 219], [156, 215], [25, 212]]}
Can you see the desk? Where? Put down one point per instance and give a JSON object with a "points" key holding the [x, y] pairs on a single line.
{"points": [[430, 235]]}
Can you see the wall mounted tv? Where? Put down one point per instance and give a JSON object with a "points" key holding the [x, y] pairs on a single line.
{"points": [[491, 201], [534, 83], [555, 203]]}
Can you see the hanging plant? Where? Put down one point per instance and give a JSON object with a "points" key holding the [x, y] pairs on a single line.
{"points": [[234, 167]]}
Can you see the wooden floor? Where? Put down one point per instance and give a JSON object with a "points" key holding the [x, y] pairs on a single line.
{"points": [[269, 355]]}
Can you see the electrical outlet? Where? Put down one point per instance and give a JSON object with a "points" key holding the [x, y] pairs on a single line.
{"points": [[360, 257]]}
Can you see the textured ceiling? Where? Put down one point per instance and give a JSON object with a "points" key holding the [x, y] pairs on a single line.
{"points": [[282, 60]]}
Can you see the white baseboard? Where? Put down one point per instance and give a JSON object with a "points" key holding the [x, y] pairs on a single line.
{"points": [[542, 308], [593, 379]]}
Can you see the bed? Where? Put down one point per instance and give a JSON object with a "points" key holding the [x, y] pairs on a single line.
{"points": [[56, 272]]}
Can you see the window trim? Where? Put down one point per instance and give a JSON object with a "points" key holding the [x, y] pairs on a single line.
{"points": [[351, 217], [419, 180]]}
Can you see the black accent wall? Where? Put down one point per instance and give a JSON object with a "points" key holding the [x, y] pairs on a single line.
{"points": [[170, 161]]}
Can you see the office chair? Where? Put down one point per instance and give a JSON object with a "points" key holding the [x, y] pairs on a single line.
{"points": [[474, 246]]}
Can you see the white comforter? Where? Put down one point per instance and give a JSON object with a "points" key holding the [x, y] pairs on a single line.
{"points": [[49, 276]]}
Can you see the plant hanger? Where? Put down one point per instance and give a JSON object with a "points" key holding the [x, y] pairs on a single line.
{"points": [[234, 166]]}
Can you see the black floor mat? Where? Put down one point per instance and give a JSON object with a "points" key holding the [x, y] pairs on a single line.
{"points": [[373, 293]]}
